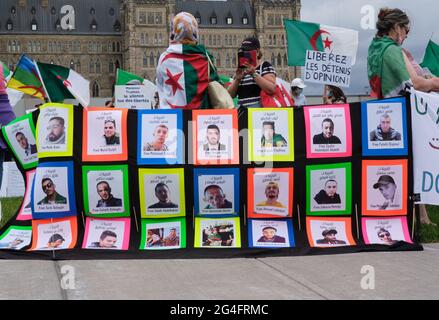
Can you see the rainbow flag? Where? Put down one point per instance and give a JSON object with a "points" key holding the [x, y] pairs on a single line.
{"points": [[25, 78]]}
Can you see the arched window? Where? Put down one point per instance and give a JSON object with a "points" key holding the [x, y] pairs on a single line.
{"points": [[78, 66], [234, 40], [98, 66], [283, 40], [91, 66], [234, 60], [50, 46], [95, 89], [274, 40], [227, 60], [146, 38], [279, 60], [145, 60], [158, 58], [151, 59], [59, 47], [118, 46], [273, 60], [142, 39], [38, 46], [111, 66], [285, 60]]}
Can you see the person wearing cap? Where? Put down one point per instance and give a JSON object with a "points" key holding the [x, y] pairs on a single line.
{"points": [[329, 237], [385, 236], [384, 131], [272, 193], [269, 235], [297, 86], [250, 80], [388, 188], [55, 241]]}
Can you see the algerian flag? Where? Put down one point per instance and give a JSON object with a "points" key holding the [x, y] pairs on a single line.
{"points": [[63, 83], [13, 95], [302, 36], [431, 58], [182, 77]]}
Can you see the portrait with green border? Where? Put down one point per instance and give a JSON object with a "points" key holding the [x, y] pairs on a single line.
{"points": [[163, 234], [329, 189], [106, 191]]}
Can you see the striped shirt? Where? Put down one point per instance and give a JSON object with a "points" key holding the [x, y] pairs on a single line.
{"points": [[248, 91]]}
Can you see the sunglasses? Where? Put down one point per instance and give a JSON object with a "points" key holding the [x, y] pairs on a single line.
{"points": [[384, 234], [47, 186]]}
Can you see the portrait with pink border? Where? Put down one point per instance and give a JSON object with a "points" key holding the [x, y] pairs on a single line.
{"points": [[328, 131], [25, 212], [385, 230], [110, 233]]}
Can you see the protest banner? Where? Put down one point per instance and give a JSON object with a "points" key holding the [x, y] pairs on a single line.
{"points": [[328, 68]]}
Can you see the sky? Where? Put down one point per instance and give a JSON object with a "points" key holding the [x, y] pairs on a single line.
{"points": [[423, 15]]}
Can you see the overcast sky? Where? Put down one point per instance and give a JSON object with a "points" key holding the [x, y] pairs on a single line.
{"points": [[424, 15]]}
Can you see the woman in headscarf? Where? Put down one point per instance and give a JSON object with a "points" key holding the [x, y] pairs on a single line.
{"points": [[389, 68], [6, 115], [182, 71]]}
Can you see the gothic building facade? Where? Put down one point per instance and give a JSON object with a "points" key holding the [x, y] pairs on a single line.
{"points": [[95, 37]]}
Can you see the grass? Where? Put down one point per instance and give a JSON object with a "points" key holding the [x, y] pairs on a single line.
{"points": [[429, 233], [9, 208]]}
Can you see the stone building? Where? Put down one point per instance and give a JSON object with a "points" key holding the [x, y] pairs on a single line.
{"points": [[95, 37]]}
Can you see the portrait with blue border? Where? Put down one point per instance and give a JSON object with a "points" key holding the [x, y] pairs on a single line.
{"points": [[216, 192], [160, 137], [274, 233], [53, 191], [384, 127]]}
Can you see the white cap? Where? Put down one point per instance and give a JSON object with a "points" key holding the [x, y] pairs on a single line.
{"points": [[298, 83]]}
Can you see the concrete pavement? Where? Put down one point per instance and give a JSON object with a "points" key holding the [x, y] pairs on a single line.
{"points": [[397, 275]]}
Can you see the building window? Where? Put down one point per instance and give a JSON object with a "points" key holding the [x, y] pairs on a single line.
{"points": [[92, 11], [33, 25], [270, 40], [142, 17], [50, 47], [93, 25], [285, 60], [117, 26], [98, 66], [145, 60], [158, 58], [111, 66], [245, 20], [95, 89], [38, 46], [13, 10], [274, 40], [273, 60], [151, 59], [78, 66], [9, 25], [72, 64], [229, 20], [91, 66], [213, 20], [227, 60], [111, 12], [279, 60], [53, 11], [150, 17], [158, 18], [33, 11], [142, 39], [58, 25]]}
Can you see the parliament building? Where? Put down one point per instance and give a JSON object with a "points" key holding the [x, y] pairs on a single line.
{"points": [[95, 37]]}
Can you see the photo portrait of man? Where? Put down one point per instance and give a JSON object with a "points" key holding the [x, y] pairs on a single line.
{"points": [[172, 239], [52, 196], [329, 237], [153, 239], [269, 235], [327, 135], [159, 143], [107, 199], [387, 186], [110, 137], [213, 139], [269, 138], [329, 195], [216, 198], [272, 194], [28, 148], [384, 131], [163, 194], [11, 245], [56, 131], [107, 240], [385, 236], [55, 241]]}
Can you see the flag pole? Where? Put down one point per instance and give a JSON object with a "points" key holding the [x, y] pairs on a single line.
{"points": [[42, 82]]}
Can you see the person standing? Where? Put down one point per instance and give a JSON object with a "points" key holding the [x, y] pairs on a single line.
{"points": [[297, 86]]}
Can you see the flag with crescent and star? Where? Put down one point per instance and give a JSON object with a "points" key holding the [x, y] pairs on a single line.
{"points": [[26, 79], [64, 83], [182, 77], [302, 36]]}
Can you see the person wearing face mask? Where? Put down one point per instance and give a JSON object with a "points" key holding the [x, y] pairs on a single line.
{"points": [[297, 86], [388, 65]]}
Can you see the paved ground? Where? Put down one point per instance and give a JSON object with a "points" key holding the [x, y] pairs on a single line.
{"points": [[398, 275]]}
